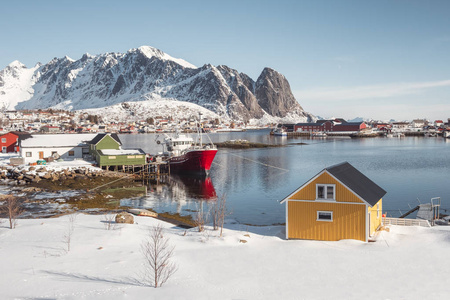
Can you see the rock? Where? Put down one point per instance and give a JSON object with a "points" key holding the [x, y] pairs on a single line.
{"points": [[32, 169], [46, 176], [124, 217]]}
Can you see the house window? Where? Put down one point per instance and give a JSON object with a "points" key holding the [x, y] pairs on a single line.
{"points": [[325, 192], [28, 154], [3, 140], [71, 153], [325, 216], [54, 153]]}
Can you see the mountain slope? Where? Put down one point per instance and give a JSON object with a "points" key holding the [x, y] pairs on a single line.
{"points": [[145, 74]]}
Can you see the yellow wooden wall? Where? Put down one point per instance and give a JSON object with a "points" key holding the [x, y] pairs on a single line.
{"points": [[349, 221], [342, 193], [375, 220]]}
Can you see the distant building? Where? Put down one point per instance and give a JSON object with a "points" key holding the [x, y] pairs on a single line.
{"points": [[418, 123], [50, 129], [400, 125], [65, 146], [438, 123], [337, 125]]}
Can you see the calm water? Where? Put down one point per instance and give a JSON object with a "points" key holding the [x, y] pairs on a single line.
{"points": [[254, 181]]}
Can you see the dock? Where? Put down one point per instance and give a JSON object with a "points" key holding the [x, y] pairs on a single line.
{"points": [[153, 171]]}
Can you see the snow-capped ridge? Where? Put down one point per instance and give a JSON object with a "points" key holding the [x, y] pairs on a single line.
{"points": [[148, 74], [16, 64], [150, 52]]}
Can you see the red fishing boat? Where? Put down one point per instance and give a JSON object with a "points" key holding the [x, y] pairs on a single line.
{"points": [[186, 156]]}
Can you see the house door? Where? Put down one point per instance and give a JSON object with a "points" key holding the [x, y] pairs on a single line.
{"points": [[41, 154], [3, 149]]}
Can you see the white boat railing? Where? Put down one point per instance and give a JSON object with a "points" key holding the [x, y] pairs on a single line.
{"points": [[405, 222]]}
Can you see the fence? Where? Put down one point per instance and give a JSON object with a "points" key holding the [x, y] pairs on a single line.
{"points": [[405, 222]]}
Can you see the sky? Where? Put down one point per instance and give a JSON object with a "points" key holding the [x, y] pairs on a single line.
{"points": [[371, 59]]}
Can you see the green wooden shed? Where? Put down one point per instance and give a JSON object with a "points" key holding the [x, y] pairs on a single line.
{"points": [[107, 150]]}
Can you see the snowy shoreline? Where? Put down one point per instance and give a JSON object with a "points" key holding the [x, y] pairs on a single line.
{"points": [[405, 263]]}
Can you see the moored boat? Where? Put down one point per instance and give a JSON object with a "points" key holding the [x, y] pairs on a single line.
{"points": [[186, 156], [278, 131]]}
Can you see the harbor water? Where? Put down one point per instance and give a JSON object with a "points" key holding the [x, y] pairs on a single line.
{"points": [[254, 181]]}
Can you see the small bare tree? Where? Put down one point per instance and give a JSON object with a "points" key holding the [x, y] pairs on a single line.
{"points": [[67, 238], [200, 219], [157, 252], [13, 209], [219, 212], [109, 221]]}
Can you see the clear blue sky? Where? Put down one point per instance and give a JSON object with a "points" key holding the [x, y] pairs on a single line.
{"points": [[373, 59]]}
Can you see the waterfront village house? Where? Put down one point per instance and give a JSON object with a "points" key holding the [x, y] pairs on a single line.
{"points": [[65, 146], [337, 126], [338, 203], [9, 142], [107, 150], [418, 123], [50, 129]]}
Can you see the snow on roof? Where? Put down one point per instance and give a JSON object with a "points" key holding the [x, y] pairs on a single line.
{"points": [[57, 140], [121, 151]]}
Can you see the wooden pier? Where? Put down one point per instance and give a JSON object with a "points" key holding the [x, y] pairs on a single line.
{"points": [[154, 171]]}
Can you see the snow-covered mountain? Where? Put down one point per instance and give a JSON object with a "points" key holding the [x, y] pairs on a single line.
{"points": [[148, 74]]}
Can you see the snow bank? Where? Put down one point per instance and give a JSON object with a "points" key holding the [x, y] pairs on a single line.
{"points": [[406, 263]]}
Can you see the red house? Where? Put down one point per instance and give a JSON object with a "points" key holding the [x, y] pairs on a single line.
{"points": [[337, 125], [9, 142]]}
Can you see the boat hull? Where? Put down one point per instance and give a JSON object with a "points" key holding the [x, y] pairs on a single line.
{"points": [[193, 162]]}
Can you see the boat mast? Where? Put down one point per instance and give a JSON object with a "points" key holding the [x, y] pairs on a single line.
{"points": [[199, 130]]}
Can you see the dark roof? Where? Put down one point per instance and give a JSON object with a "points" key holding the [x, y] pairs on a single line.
{"points": [[22, 135], [308, 124], [100, 136], [357, 182]]}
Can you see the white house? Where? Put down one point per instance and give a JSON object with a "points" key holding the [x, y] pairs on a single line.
{"points": [[418, 123], [65, 146]]}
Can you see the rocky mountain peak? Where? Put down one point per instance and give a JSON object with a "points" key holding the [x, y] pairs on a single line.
{"points": [[149, 74]]}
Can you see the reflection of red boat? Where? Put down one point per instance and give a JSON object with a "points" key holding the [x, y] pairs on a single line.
{"points": [[197, 187]]}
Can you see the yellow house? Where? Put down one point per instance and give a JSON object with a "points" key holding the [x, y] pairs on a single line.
{"points": [[338, 203]]}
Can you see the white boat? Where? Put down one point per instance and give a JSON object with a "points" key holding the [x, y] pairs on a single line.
{"points": [[320, 134], [278, 131]]}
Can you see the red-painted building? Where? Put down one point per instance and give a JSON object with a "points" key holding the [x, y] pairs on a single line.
{"points": [[9, 142], [337, 125]]}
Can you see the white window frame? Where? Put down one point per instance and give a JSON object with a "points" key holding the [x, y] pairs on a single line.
{"points": [[326, 212], [28, 154], [3, 140], [326, 192]]}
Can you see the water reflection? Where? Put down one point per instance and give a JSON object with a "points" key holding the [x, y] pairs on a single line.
{"points": [[179, 194]]}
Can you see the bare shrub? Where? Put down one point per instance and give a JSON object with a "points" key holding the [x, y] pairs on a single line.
{"points": [[157, 252], [67, 238], [13, 209], [109, 220], [200, 219], [219, 212]]}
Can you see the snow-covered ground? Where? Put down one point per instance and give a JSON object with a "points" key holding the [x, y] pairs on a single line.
{"points": [[405, 263]]}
